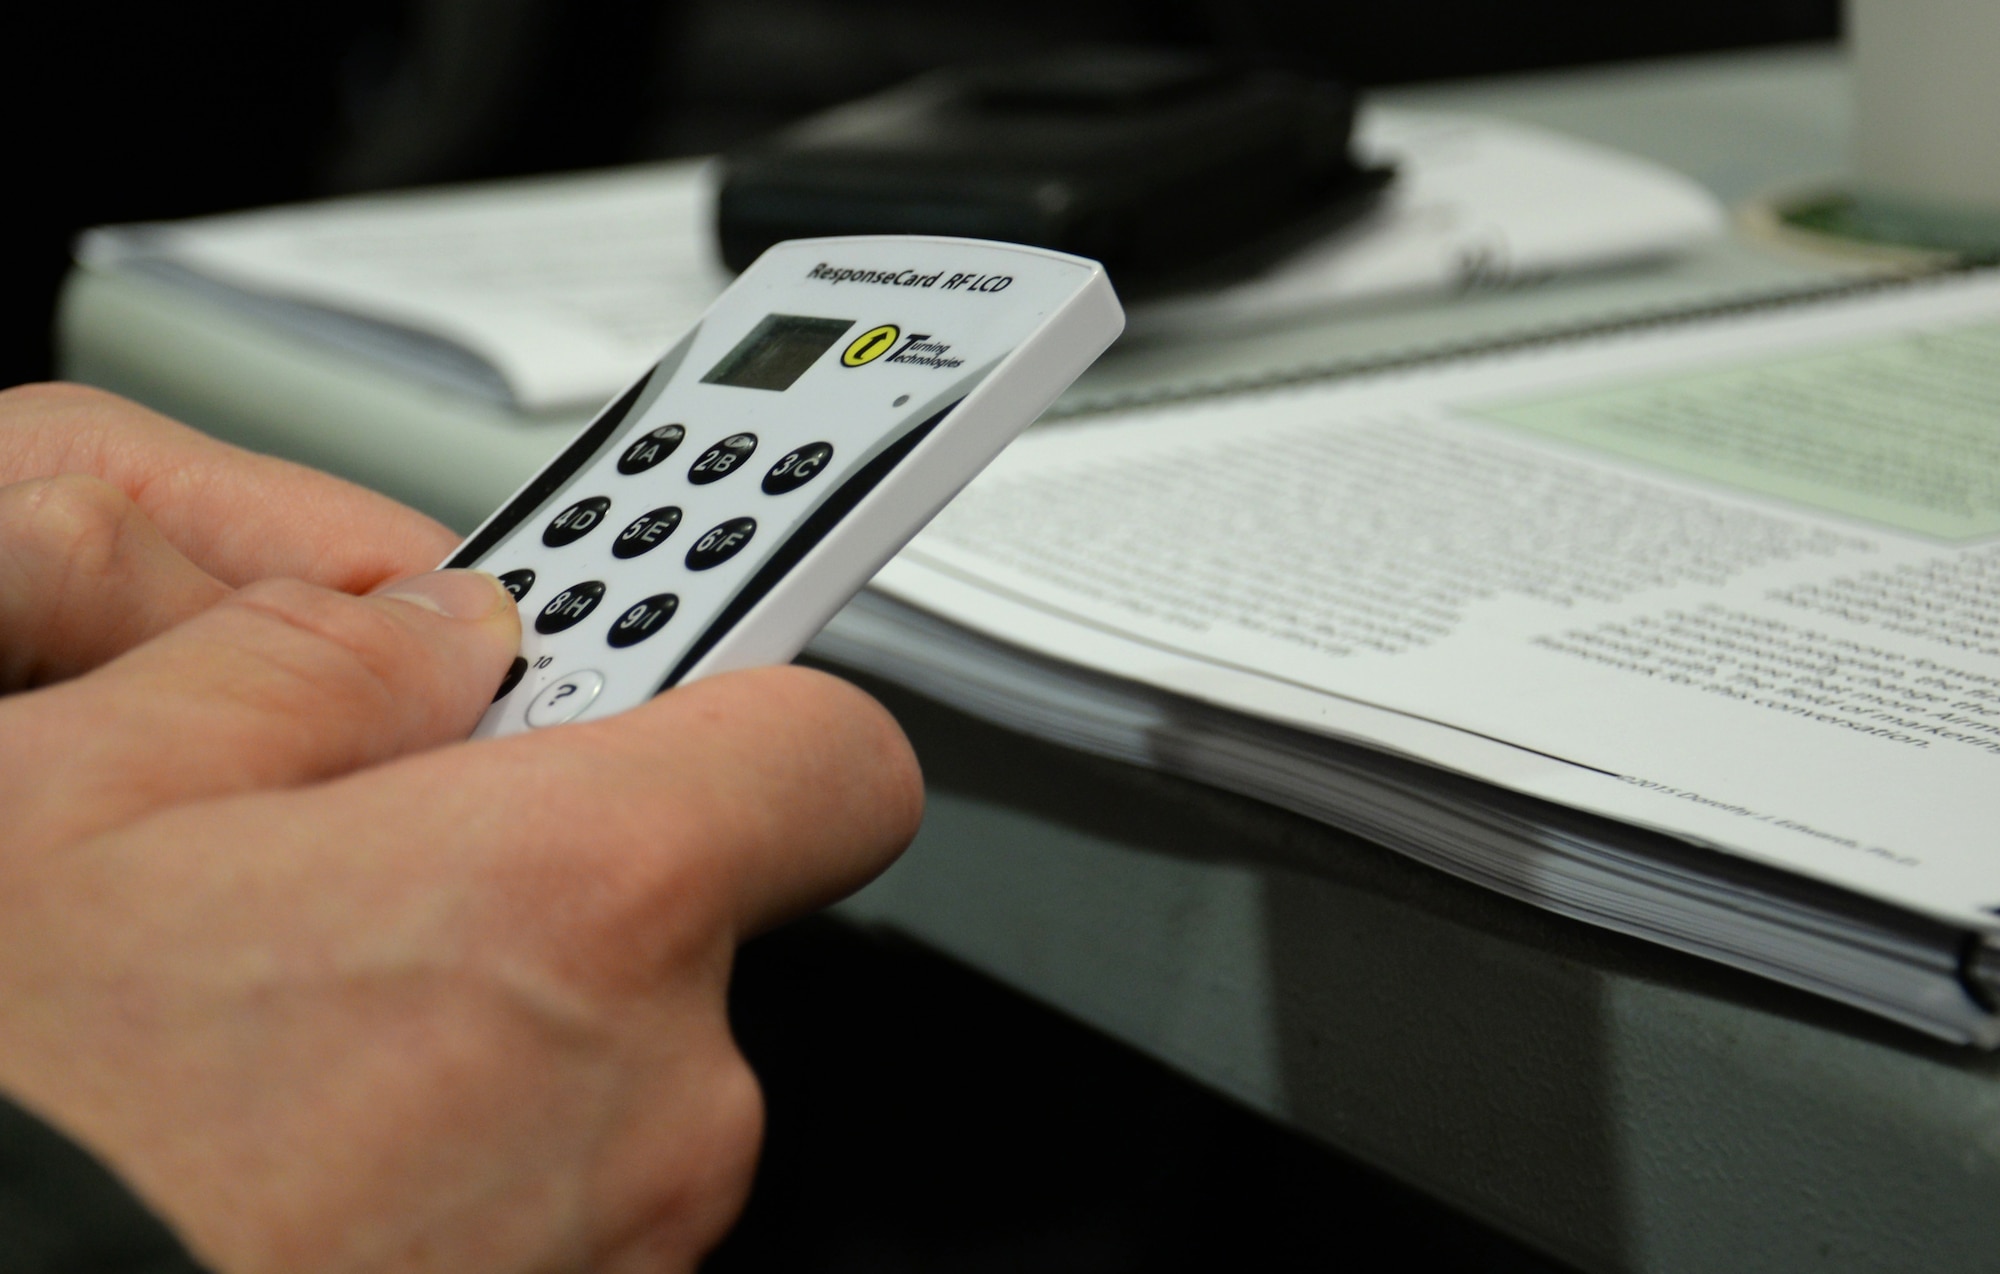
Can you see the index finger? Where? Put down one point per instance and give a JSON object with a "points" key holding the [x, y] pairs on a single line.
{"points": [[238, 515]]}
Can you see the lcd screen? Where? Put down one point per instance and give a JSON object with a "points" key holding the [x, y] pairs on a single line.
{"points": [[777, 351]]}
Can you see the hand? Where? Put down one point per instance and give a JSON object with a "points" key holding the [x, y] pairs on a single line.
{"points": [[332, 989]]}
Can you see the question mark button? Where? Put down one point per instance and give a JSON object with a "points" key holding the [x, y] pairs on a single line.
{"points": [[565, 698]]}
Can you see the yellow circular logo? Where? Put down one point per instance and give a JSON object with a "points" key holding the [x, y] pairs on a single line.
{"points": [[870, 345]]}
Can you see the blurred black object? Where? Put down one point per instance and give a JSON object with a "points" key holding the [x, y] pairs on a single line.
{"points": [[926, 1120], [62, 1212], [1150, 160], [121, 112]]}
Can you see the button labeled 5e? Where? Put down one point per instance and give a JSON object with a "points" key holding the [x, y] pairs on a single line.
{"points": [[646, 531]]}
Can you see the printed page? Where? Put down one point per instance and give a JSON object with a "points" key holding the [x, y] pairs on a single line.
{"points": [[567, 287], [1737, 581]]}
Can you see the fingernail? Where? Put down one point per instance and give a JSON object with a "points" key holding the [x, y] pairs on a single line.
{"points": [[468, 595]]}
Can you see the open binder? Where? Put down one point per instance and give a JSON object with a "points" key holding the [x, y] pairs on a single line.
{"points": [[1718, 675]]}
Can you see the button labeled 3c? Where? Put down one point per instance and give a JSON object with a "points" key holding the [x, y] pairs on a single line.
{"points": [[797, 468]]}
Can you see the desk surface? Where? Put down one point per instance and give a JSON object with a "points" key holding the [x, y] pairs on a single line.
{"points": [[1622, 1107]]}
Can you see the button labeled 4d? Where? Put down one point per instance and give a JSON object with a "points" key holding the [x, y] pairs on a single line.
{"points": [[649, 450], [797, 468], [646, 531], [721, 543], [575, 522], [643, 619], [722, 459], [569, 607]]}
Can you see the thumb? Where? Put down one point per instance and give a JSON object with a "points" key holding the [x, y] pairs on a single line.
{"points": [[282, 683]]}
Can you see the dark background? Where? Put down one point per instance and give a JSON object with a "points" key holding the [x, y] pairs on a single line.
{"points": [[921, 1118], [127, 111]]}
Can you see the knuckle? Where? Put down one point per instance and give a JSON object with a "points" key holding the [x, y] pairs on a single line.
{"points": [[337, 646], [667, 912], [873, 754], [77, 521], [737, 1113], [701, 1176], [56, 423], [57, 395], [730, 1134]]}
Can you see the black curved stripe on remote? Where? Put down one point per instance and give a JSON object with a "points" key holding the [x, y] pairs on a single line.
{"points": [[809, 533], [551, 480]]}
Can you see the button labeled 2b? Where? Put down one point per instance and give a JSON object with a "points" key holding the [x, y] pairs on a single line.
{"points": [[722, 459], [721, 543], [575, 522], [797, 468], [646, 531], [570, 607], [643, 619]]}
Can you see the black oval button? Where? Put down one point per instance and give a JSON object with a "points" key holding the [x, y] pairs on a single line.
{"points": [[515, 671], [721, 543], [575, 522], [655, 446], [643, 619], [646, 531], [723, 459], [517, 583], [797, 468], [570, 606]]}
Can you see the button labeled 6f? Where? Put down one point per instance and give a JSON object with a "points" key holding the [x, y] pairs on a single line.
{"points": [[721, 543]]}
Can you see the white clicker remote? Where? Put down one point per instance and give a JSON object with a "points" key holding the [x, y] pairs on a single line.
{"points": [[719, 512]]}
